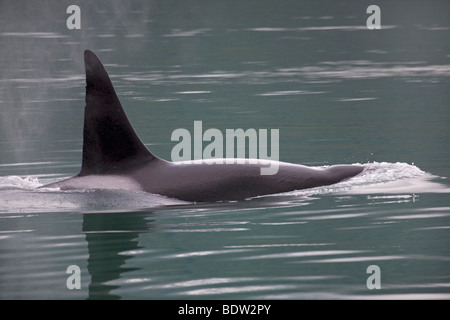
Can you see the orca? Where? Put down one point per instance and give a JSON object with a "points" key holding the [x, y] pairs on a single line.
{"points": [[115, 158]]}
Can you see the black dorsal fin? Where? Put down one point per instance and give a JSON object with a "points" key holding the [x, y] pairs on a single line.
{"points": [[110, 144]]}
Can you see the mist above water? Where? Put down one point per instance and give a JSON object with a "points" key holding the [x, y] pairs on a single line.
{"points": [[42, 62]]}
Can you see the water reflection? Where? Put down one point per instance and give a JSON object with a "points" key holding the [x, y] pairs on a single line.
{"points": [[112, 238], [339, 92]]}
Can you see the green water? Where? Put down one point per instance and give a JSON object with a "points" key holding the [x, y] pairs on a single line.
{"points": [[338, 93]]}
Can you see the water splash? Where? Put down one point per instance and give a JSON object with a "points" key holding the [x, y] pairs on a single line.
{"points": [[19, 183], [384, 177], [19, 193]]}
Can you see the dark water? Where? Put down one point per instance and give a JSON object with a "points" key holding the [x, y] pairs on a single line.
{"points": [[338, 93]]}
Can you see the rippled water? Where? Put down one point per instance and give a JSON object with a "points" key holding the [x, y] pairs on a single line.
{"points": [[338, 92]]}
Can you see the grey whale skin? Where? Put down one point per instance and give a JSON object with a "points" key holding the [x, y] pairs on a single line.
{"points": [[115, 158]]}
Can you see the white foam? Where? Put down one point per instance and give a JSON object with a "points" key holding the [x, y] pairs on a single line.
{"points": [[394, 178], [384, 177], [21, 183]]}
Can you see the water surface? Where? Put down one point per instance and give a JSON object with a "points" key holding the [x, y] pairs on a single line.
{"points": [[338, 93]]}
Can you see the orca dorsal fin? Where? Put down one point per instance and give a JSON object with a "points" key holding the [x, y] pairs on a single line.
{"points": [[110, 144]]}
